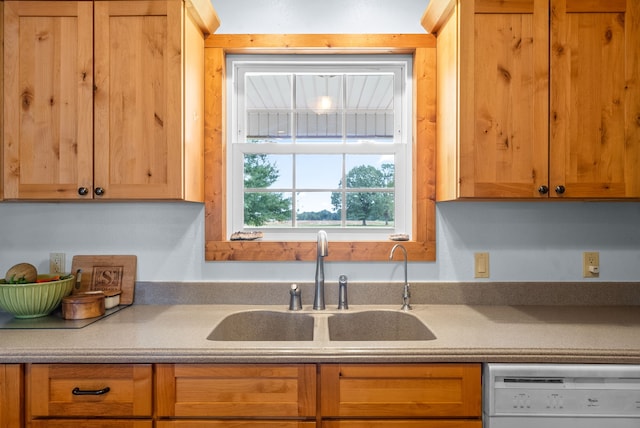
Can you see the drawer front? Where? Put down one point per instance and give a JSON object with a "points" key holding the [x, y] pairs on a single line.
{"points": [[401, 390], [433, 423], [90, 423], [244, 391], [235, 424], [89, 390]]}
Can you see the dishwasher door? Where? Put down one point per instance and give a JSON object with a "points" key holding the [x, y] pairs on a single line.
{"points": [[561, 396]]}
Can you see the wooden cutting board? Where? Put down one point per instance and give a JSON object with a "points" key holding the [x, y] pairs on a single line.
{"points": [[106, 273]]}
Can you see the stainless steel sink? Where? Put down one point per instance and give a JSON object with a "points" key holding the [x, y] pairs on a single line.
{"points": [[377, 326], [264, 326]]}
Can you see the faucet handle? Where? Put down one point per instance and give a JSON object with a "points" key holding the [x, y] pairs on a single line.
{"points": [[343, 302], [295, 301]]}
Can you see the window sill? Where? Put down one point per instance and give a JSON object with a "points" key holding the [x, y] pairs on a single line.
{"points": [[360, 251]]}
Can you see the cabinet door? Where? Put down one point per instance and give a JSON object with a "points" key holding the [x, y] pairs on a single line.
{"points": [[89, 390], [400, 391], [435, 423], [138, 104], [235, 424], [503, 98], [48, 99], [224, 390], [595, 98], [10, 395], [91, 423]]}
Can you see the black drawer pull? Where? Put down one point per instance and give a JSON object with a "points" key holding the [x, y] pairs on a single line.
{"points": [[78, 391]]}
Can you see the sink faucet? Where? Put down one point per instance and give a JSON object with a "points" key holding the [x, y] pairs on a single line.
{"points": [[406, 294], [322, 252]]}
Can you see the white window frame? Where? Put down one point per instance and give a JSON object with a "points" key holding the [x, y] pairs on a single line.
{"points": [[401, 148]]}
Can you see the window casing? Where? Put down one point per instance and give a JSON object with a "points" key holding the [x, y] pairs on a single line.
{"points": [[338, 132], [421, 46]]}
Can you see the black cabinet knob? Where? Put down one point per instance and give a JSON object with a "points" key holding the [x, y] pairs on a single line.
{"points": [[83, 191], [543, 190], [560, 189], [99, 191]]}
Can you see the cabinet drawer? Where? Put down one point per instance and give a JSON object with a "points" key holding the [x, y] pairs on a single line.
{"points": [[91, 423], [403, 391], [235, 424], [101, 390], [433, 423], [226, 390]]}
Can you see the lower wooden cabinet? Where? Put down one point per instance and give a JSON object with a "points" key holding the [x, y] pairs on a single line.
{"points": [[400, 391], [11, 395], [119, 395], [397, 423], [235, 424], [90, 423], [242, 395], [236, 391]]}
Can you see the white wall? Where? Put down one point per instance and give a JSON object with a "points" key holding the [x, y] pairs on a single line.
{"points": [[534, 241]]}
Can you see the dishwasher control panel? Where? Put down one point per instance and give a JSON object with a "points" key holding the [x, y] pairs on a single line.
{"points": [[562, 390]]}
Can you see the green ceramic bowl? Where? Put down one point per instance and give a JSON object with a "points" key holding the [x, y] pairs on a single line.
{"points": [[34, 300]]}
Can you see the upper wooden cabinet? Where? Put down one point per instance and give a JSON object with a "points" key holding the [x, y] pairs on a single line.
{"points": [[104, 99], [537, 98]]}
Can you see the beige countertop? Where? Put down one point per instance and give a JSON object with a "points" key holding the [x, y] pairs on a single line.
{"points": [[469, 333]]}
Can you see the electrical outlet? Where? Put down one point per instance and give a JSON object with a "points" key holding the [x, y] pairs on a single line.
{"points": [[56, 263], [590, 264], [481, 268]]}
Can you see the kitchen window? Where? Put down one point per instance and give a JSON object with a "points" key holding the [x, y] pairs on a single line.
{"points": [[319, 142], [280, 138]]}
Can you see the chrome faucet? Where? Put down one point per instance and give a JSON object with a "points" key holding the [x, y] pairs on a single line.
{"points": [[406, 294], [322, 252], [343, 301]]}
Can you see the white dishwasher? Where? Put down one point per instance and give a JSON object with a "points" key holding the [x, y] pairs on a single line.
{"points": [[561, 396]]}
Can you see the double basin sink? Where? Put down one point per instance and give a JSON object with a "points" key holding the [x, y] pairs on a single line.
{"points": [[352, 326]]}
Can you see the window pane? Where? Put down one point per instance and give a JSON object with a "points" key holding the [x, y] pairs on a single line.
{"points": [[319, 93], [318, 171], [267, 209], [314, 209], [262, 171], [318, 108], [268, 102], [369, 108], [332, 140], [370, 171], [372, 209], [312, 127]]}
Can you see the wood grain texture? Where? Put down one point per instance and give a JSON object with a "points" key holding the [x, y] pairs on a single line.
{"points": [[1, 98], [422, 423], [193, 136], [225, 390], [11, 392], [437, 14], [401, 391], [235, 424], [91, 423], [217, 247], [594, 99], [539, 104], [138, 99], [448, 97], [107, 273], [49, 389], [505, 154], [48, 90]]}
